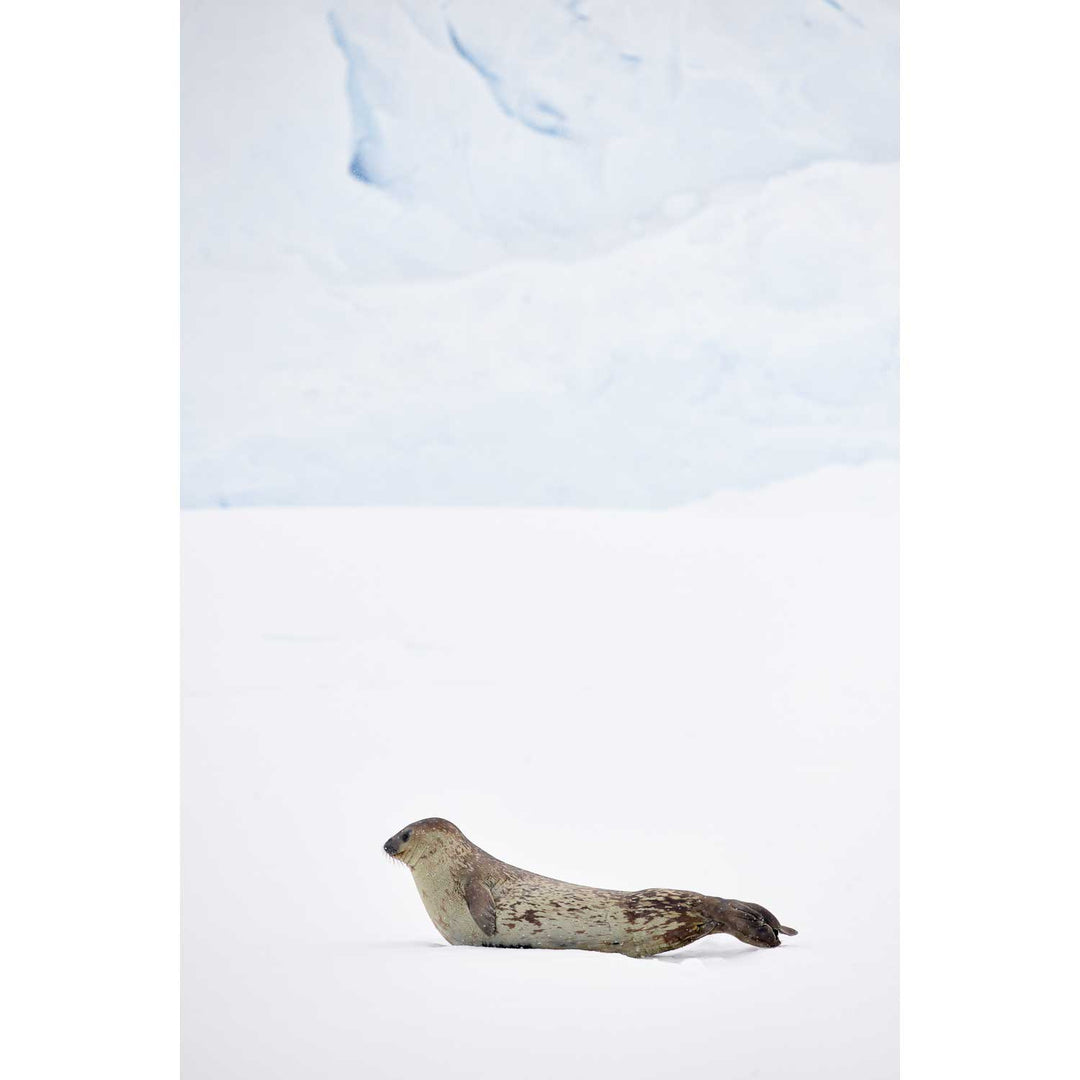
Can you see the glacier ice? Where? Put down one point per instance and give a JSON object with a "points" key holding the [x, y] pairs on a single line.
{"points": [[557, 127], [591, 253]]}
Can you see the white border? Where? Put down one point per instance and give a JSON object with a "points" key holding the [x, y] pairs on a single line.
{"points": [[89, 762], [989, 352]]}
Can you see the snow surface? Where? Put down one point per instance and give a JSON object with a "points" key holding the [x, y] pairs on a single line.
{"points": [[701, 698], [593, 253]]}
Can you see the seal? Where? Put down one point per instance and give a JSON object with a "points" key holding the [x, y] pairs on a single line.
{"points": [[475, 899]]}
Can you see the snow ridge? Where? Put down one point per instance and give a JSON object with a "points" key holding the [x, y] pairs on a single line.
{"points": [[599, 253]]}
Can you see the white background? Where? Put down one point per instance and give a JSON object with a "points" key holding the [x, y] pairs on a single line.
{"points": [[89, 790], [701, 698]]}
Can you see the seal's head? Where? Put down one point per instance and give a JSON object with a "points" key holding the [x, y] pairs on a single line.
{"points": [[423, 838]]}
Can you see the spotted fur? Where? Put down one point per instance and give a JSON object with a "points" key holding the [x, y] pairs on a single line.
{"points": [[476, 899]]}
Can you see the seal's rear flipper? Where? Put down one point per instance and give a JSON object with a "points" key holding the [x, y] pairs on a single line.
{"points": [[750, 923], [771, 919]]}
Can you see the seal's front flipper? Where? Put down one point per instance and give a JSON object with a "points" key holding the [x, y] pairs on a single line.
{"points": [[481, 905]]}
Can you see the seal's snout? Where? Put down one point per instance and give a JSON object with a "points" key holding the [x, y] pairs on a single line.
{"points": [[393, 846]]}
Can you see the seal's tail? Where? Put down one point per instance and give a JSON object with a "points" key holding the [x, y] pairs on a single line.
{"points": [[750, 923]]}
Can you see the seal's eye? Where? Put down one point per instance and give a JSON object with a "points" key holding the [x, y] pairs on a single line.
{"points": [[405, 836]]}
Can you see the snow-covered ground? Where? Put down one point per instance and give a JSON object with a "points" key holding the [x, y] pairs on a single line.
{"points": [[700, 698], [607, 253]]}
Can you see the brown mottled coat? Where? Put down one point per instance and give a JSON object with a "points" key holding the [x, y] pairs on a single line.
{"points": [[475, 899]]}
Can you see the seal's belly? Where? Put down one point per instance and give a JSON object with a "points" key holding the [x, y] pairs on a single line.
{"points": [[555, 915], [542, 913]]}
